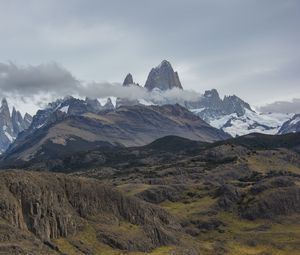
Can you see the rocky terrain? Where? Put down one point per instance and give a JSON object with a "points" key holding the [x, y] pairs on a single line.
{"points": [[40, 211], [172, 196]]}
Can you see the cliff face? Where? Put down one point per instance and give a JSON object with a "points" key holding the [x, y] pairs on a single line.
{"points": [[52, 206], [163, 77]]}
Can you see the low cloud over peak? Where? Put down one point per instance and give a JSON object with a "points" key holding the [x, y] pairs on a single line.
{"points": [[40, 84]]}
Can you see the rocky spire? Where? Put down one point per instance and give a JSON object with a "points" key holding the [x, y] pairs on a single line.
{"points": [[4, 107], [5, 119], [11, 125], [128, 80], [27, 119], [163, 77], [108, 105]]}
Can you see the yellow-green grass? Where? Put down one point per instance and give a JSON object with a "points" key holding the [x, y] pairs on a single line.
{"points": [[88, 239], [133, 189], [261, 163], [188, 208], [242, 236], [165, 250]]}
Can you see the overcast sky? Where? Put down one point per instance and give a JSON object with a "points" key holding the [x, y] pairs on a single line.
{"points": [[249, 48]]}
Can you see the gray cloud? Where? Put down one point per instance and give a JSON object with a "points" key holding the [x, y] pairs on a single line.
{"points": [[283, 106], [43, 83], [30, 81]]}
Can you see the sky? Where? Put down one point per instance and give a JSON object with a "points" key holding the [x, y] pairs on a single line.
{"points": [[53, 47]]}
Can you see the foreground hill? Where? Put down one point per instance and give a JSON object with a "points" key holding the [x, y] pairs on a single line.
{"points": [[222, 194], [44, 213], [71, 127], [207, 198]]}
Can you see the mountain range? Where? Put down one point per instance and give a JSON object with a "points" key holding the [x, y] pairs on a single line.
{"points": [[73, 125], [230, 114]]}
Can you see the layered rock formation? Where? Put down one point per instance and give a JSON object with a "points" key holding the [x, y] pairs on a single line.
{"points": [[53, 206]]}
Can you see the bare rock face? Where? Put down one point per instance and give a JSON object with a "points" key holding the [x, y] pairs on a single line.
{"points": [[128, 80], [52, 206], [163, 77], [11, 125], [291, 126], [108, 105]]}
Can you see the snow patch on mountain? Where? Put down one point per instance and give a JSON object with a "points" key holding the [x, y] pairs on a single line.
{"points": [[64, 109], [250, 122]]}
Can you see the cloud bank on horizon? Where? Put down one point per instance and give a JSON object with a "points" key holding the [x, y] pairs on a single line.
{"points": [[38, 85], [248, 48], [35, 86], [292, 106]]}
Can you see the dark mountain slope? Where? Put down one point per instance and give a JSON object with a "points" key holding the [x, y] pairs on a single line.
{"points": [[267, 142], [127, 126]]}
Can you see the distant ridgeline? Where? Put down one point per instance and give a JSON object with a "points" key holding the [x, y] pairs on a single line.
{"points": [[230, 114]]}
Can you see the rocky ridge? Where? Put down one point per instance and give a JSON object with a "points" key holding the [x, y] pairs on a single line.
{"points": [[54, 206], [11, 125]]}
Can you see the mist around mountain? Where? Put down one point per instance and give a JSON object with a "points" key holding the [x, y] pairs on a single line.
{"points": [[231, 114]]}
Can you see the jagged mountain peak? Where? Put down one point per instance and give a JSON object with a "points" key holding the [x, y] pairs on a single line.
{"points": [[211, 93], [128, 80], [4, 101], [4, 105], [164, 64], [163, 77], [109, 105], [10, 125]]}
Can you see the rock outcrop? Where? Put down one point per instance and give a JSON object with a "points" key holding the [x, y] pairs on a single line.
{"points": [[128, 80], [11, 125], [163, 77], [52, 206]]}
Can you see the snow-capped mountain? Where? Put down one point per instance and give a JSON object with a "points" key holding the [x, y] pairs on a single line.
{"points": [[235, 116], [291, 126], [231, 114], [11, 125], [70, 106]]}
